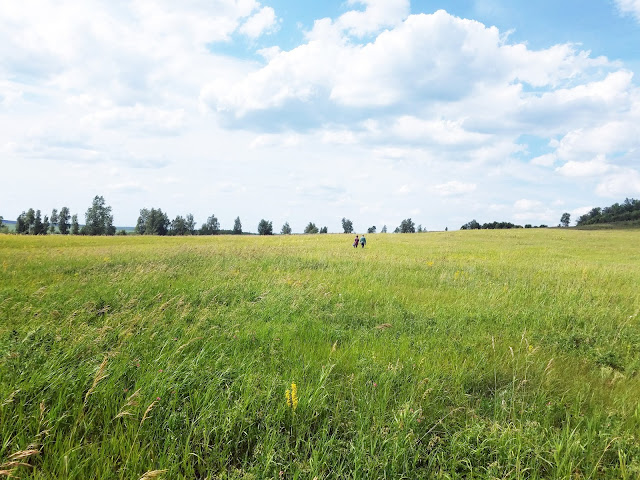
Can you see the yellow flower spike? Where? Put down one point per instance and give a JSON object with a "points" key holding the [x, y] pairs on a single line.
{"points": [[287, 396], [294, 396]]}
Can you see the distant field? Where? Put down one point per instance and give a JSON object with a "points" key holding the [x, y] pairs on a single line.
{"points": [[477, 354]]}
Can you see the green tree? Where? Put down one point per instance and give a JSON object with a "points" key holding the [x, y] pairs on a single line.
{"points": [[324, 230], [371, 229], [37, 223], [63, 220], [54, 220], [30, 220], [75, 226], [98, 219], [45, 225], [384, 229], [21, 223], [191, 224], [407, 226], [472, 225], [152, 222], [311, 228], [178, 226], [265, 227], [286, 229], [347, 225], [565, 219], [237, 226], [211, 226]]}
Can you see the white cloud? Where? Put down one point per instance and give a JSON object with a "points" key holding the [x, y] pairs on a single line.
{"points": [[631, 7], [526, 205], [377, 14], [263, 21], [139, 117], [454, 187], [425, 58], [592, 168], [620, 185], [546, 160], [578, 212]]}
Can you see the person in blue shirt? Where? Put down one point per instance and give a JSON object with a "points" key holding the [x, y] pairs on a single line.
{"points": [[363, 241]]}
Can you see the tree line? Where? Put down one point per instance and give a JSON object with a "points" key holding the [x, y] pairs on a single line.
{"points": [[474, 225], [628, 211], [153, 221]]}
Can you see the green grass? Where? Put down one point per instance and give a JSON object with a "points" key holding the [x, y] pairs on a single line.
{"points": [[507, 354]]}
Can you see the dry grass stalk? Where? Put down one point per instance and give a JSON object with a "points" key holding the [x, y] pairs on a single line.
{"points": [[29, 452], [152, 474], [383, 326], [10, 397], [100, 374], [146, 412], [132, 401]]}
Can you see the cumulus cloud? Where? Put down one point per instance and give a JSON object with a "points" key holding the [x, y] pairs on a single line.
{"points": [[377, 14], [631, 7], [454, 187], [621, 184], [591, 168], [261, 22]]}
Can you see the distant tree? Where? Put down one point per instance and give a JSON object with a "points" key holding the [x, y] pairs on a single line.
{"points": [[3, 227], [37, 223], [265, 227], [311, 228], [121, 232], [371, 229], [446, 229], [75, 226], [528, 225], [397, 230], [565, 219], [407, 226], [63, 220], [30, 220], [178, 226], [54, 220], [98, 219], [21, 223], [191, 224], [347, 225], [324, 230], [286, 229], [472, 225], [45, 225], [384, 229], [211, 226], [237, 226], [1, 220], [419, 228], [153, 222]]}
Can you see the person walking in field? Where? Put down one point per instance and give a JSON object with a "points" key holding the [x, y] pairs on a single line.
{"points": [[355, 242], [363, 241]]}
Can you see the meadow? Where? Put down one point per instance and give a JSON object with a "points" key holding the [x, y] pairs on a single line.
{"points": [[478, 354]]}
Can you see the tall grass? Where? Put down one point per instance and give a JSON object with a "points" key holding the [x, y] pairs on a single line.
{"points": [[489, 354]]}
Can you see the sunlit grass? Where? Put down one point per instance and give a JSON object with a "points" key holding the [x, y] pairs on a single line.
{"points": [[488, 354]]}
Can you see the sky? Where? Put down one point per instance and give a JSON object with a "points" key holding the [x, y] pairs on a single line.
{"points": [[290, 111]]}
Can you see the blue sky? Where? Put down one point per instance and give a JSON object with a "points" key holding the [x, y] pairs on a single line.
{"points": [[376, 110]]}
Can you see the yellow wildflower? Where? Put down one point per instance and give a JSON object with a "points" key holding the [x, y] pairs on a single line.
{"points": [[287, 396], [294, 396]]}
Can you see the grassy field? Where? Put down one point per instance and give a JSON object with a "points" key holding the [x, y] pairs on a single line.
{"points": [[479, 354]]}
